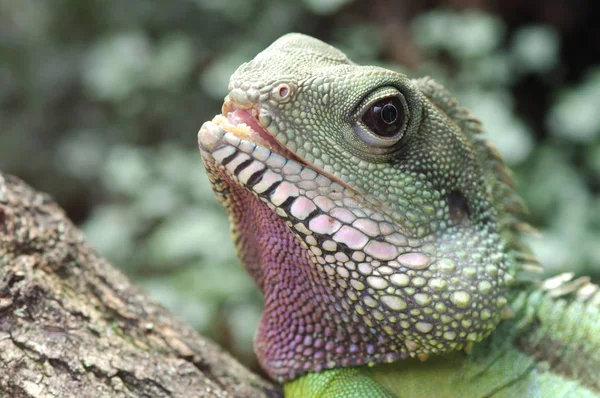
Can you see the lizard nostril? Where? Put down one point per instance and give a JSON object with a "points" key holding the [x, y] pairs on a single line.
{"points": [[240, 98], [281, 91]]}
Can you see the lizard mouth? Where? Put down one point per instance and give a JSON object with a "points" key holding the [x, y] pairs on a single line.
{"points": [[241, 128], [244, 124]]}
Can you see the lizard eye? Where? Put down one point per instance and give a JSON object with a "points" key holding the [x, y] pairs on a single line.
{"points": [[381, 118], [386, 117]]}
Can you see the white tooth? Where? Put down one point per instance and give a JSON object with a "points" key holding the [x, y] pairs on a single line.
{"points": [[223, 153], [283, 192], [246, 146], [232, 139], [276, 160], [239, 159], [268, 179], [245, 174], [261, 153], [291, 168]]}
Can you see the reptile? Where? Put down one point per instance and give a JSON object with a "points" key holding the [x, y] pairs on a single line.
{"points": [[385, 233]]}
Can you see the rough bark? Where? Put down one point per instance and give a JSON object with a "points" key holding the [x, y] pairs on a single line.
{"points": [[72, 325]]}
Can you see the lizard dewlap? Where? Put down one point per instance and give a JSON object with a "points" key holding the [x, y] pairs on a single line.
{"points": [[373, 217]]}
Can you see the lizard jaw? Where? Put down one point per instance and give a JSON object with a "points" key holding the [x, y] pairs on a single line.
{"points": [[234, 145]]}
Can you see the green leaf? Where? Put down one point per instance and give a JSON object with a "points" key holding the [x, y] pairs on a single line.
{"points": [[535, 49], [325, 7], [575, 114]]}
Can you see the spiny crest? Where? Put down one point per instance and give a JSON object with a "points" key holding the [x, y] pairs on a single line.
{"points": [[580, 289], [501, 184]]}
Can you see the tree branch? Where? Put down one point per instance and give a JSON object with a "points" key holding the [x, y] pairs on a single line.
{"points": [[72, 325]]}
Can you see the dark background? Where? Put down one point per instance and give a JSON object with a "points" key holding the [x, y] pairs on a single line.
{"points": [[100, 102]]}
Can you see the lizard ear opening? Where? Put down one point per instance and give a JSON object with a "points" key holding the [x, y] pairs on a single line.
{"points": [[460, 211]]}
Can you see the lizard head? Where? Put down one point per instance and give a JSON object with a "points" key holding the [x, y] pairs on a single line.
{"points": [[365, 206]]}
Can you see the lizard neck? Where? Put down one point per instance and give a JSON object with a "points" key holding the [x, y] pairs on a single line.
{"points": [[306, 325]]}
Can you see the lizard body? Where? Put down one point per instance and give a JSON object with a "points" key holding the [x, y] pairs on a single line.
{"points": [[381, 227]]}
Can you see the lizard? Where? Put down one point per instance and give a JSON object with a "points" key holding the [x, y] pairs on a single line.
{"points": [[383, 229]]}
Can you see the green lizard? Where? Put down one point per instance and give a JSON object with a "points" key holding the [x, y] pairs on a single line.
{"points": [[383, 229]]}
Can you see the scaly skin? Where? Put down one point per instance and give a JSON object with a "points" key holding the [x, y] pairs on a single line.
{"points": [[551, 348], [380, 235]]}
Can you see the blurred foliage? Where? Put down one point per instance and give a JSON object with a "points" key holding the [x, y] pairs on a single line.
{"points": [[100, 102]]}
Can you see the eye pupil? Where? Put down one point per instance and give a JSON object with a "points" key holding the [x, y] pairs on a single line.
{"points": [[385, 118], [389, 113]]}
